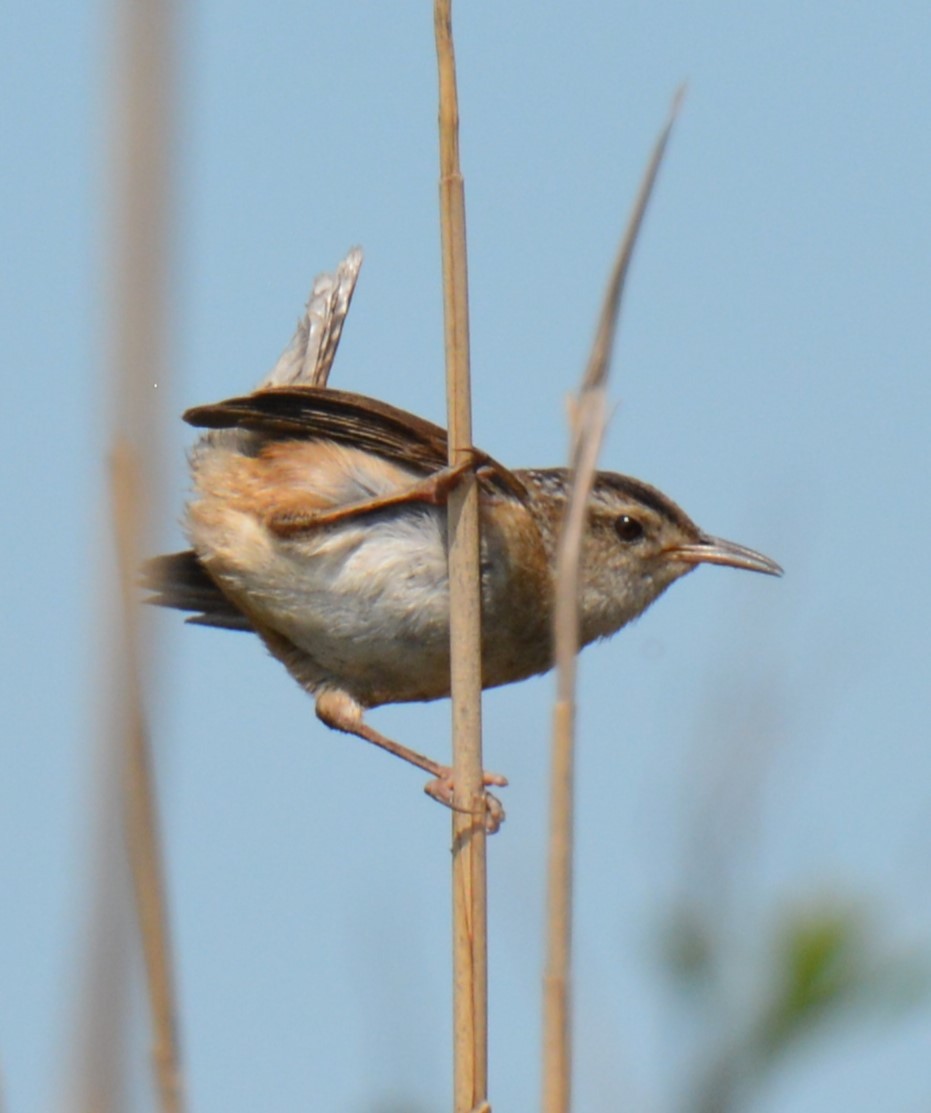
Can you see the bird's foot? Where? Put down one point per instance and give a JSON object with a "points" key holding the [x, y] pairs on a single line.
{"points": [[442, 787]]}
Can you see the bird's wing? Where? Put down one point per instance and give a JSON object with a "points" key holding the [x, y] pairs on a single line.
{"points": [[312, 413]]}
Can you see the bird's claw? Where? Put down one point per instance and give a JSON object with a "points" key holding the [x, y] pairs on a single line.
{"points": [[441, 788]]}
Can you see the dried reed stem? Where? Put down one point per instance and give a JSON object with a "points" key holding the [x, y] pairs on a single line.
{"points": [[143, 163], [470, 973], [141, 816], [588, 424]]}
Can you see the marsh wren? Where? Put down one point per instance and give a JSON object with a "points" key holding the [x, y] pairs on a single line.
{"points": [[318, 522]]}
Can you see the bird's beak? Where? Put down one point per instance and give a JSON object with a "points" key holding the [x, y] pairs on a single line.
{"points": [[714, 550]]}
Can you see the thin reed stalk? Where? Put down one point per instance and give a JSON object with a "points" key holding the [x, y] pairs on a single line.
{"points": [[470, 964], [139, 801], [586, 434], [139, 282]]}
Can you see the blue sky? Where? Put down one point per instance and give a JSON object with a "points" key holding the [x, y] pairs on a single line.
{"points": [[772, 376]]}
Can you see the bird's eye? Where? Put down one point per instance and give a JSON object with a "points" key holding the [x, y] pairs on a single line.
{"points": [[628, 529]]}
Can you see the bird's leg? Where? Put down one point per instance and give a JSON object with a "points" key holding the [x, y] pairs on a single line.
{"points": [[434, 489], [341, 712], [442, 788]]}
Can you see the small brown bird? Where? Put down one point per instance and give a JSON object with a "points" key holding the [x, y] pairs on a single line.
{"points": [[318, 522]]}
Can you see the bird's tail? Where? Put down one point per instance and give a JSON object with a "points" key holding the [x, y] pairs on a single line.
{"points": [[179, 580]]}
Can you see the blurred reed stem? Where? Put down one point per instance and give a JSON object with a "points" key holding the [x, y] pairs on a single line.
{"points": [[142, 173]]}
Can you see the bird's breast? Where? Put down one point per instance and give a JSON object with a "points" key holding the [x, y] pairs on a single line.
{"points": [[366, 600]]}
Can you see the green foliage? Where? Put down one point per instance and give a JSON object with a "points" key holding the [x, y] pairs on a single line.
{"points": [[689, 950], [821, 964], [826, 964]]}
